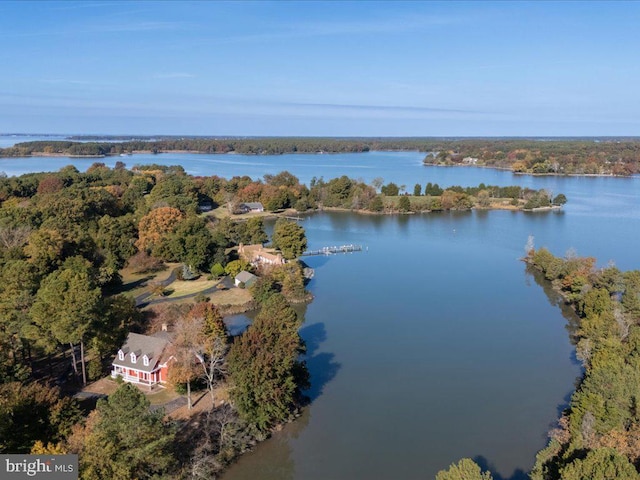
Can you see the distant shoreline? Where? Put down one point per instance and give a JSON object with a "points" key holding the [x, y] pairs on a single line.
{"points": [[531, 174], [195, 152]]}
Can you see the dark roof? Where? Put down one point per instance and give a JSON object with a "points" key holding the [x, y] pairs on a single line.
{"points": [[151, 346], [254, 205]]}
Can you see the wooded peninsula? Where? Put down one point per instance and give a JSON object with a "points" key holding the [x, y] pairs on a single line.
{"points": [[548, 156], [598, 433]]}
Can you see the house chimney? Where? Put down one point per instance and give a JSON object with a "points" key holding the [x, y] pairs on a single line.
{"points": [[164, 327]]}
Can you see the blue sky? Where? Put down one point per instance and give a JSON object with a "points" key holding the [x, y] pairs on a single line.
{"points": [[320, 68]]}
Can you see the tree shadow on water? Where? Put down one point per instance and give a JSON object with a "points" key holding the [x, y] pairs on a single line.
{"points": [[484, 464], [562, 407], [321, 365], [313, 336]]}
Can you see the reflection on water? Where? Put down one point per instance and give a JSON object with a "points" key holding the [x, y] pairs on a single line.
{"points": [[322, 365], [430, 346]]}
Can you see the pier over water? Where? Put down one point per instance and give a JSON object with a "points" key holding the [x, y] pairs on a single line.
{"points": [[333, 250]]}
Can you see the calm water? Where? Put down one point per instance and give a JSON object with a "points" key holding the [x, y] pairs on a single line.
{"points": [[434, 344]]}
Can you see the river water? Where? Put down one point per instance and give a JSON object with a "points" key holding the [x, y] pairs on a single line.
{"points": [[433, 344]]}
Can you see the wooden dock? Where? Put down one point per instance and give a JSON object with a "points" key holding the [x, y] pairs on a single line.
{"points": [[333, 250]]}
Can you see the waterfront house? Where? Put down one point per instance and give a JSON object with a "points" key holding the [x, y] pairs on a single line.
{"points": [[247, 207], [143, 359], [258, 255]]}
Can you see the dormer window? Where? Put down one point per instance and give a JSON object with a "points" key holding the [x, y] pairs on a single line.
{"points": [[133, 357], [145, 360], [120, 355]]}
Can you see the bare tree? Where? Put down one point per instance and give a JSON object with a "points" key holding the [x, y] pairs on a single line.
{"points": [[222, 435], [211, 356], [11, 237], [623, 323], [377, 183], [588, 429], [529, 247]]}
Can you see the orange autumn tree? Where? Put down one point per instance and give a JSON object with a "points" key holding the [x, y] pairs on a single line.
{"points": [[156, 224]]}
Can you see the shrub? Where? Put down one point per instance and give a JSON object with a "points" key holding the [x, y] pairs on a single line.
{"points": [[143, 263], [217, 270]]}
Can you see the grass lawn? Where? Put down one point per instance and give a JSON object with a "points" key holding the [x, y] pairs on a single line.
{"points": [[134, 284], [223, 212], [161, 397], [232, 296], [180, 288], [421, 201]]}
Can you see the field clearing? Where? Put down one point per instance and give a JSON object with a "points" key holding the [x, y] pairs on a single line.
{"points": [[232, 296], [134, 284], [180, 288], [422, 201]]}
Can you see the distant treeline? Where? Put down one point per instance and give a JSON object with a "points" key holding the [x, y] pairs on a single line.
{"points": [[610, 156]]}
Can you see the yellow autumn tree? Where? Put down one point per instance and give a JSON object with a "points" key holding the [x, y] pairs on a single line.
{"points": [[40, 448], [156, 224]]}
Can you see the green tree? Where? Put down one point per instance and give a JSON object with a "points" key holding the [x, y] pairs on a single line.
{"points": [[404, 204], [118, 316], [33, 412], [290, 278], [417, 190], [19, 282], [117, 236], [191, 243], [263, 288], [289, 238], [67, 305], [433, 189], [340, 188], [376, 205], [283, 179], [601, 464], [124, 440], [264, 368], [175, 190], [390, 189], [217, 270], [254, 232], [234, 267], [465, 469], [45, 249], [559, 199]]}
